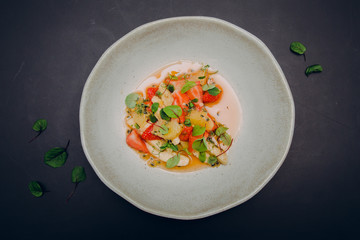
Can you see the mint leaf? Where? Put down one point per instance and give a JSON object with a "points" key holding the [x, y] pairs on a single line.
{"points": [[35, 189], [202, 156], [206, 87], [78, 174], [187, 86], [163, 115], [313, 69], [131, 99], [172, 162], [199, 145], [171, 88], [56, 157], [164, 129], [198, 130], [202, 77], [152, 118], [212, 160], [173, 111], [154, 107], [221, 130], [187, 122], [39, 126], [226, 139], [297, 48], [214, 91]]}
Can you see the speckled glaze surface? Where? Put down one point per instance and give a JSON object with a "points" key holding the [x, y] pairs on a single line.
{"points": [[257, 152]]}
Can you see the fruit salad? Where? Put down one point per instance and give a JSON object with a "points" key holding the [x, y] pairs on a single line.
{"points": [[169, 124]]}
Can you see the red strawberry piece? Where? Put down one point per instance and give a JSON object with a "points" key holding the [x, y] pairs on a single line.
{"points": [[185, 134], [208, 98], [134, 140], [147, 135], [150, 92]]}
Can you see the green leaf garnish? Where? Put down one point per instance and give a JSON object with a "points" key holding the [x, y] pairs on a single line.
{"points": [[212, 160], [164, 129], [187, 122], [297, 48], [163, 115], [205, 67], [221, 130], [158, 93], [173, 147], [226, 139], [214, 91], [56, 157], [172, 162], [313, 69], [198, 130], [173, 111], [171, 88], [137, 126], [202, 156], [152, 118], [187, 86], [39, 126], [35, 189], [154, 107], [131, 99], [77, 175], [200, 145], [202, 77], [206, 87], [173, 77], [195, 100], [187, 151]]}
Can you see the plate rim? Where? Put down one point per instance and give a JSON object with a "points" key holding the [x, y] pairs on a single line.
{"points": [[209, 212]]}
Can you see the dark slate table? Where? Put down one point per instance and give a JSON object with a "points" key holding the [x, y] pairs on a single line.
{"points": [[48, 49]]}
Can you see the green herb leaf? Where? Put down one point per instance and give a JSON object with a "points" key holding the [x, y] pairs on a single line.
{"points": [[137, 126], [152, 118], [78, 174], [173, 77], [158, 93], [171, 88], [187, 122], [187, 151], [187, 86], [313, 69], [195, 100], [206, 87], [226, 139], [164, 129], [172, 162], [297, 48], [199, 145], [191, 105], [202, 156], [40, 125], [202, 77], [198, 130], [173, 147], [212, 160], [154, 107], [56, 157], [173, 111], [163, 115], [35, 189], [214, 91], [131, 99], [221, 130]]}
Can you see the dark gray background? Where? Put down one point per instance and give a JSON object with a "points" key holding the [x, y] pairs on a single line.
{"points": [[48, 49]]}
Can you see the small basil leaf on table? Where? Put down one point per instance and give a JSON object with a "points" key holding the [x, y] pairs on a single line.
{"points": [[35, 189], [39, 126], [313, 69], [56, 157], [297, 48], [77, 175]]}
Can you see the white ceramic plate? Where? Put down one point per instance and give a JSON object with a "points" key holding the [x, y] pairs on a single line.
{"points": [[257, 152]]}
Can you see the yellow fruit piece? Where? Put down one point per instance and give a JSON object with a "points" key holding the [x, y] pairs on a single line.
{"points": [[201, 118], [139, 118], [174, 130]]}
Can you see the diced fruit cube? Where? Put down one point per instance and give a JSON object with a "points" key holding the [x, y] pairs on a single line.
{"points": [[173, 132], [201, 118], [147, 135], [150, 92], [185, 134]]}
